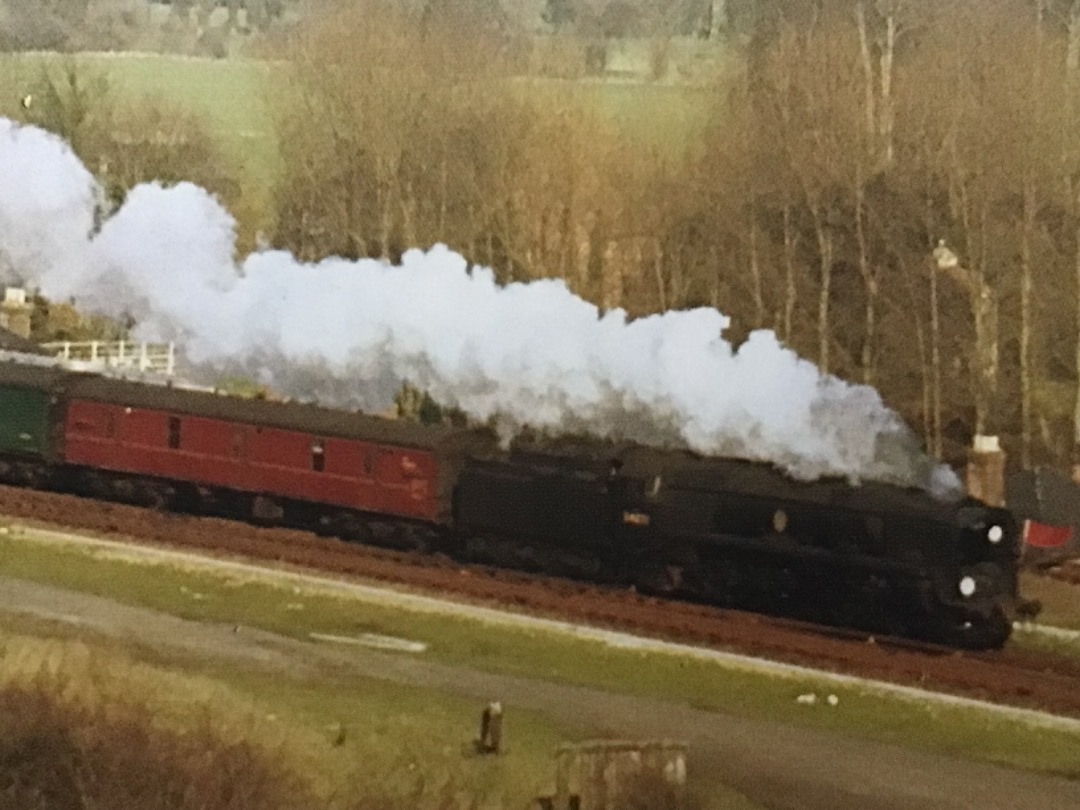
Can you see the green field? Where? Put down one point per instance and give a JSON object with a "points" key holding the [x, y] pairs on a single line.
{"points": [[231, 97], [196, 593], [236, 100]]}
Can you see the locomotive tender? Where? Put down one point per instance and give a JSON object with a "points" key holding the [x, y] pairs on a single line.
{"points": [[729, 532]]}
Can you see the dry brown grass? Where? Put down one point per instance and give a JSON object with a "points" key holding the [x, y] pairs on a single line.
{"points": [[83, 731]]}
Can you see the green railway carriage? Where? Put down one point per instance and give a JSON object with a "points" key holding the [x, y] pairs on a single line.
{"points": [[31, 429]]}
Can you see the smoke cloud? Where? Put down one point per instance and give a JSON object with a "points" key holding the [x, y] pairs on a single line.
{"points": [[349, 333]]}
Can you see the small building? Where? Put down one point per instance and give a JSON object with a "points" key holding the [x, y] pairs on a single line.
{"points": [[603, 774], [15, 312]]}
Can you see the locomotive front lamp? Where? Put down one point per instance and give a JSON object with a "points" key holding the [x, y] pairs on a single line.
{"points": [[967, 586], [994, 534]]}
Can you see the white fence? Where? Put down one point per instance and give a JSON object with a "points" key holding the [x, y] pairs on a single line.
{"points": [[120, 354]]}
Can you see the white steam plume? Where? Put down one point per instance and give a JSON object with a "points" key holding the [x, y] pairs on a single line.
{"points": [[348, 333]]}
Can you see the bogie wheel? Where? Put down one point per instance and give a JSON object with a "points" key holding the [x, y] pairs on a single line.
{"points": [[973, 633]]}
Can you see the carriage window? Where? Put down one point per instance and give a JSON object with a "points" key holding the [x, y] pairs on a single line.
{"points": [[318, 455], [174, 432]]}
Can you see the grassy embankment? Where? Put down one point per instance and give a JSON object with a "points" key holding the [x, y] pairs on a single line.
{"points": [[200, 594], [1060, 608], [346, 735]]}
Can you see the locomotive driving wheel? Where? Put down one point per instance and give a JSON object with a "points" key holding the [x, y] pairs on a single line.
{"points": [[972, 632]]}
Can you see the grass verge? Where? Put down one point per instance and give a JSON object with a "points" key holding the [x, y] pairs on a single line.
{"points": [[204, 595], [1060, 600]]}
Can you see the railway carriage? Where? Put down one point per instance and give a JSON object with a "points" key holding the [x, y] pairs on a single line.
{"points": [[31, 432], [270, 461]]}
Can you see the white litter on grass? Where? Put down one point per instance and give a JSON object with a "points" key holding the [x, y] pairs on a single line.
{"points": [[375, 641], [428, 604], [63, 618], [810, 698]]}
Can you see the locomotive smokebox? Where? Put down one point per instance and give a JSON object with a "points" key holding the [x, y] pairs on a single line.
{"points": [[986, 471]]}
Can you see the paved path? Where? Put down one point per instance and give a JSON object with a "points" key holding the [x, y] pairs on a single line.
{"points": [[777, 765]]}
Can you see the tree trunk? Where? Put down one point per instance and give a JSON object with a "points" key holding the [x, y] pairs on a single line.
{"points": [[1072, 68], [566, 242], [985, 308], [887, 112], [870, 284], [755, 273], [234, 15], [408, 206], [825, 255], [869, 370], [1076, 408], [869, 81], [1026, 286], [926, 379], [935, 364], [1027, 236], [658, 273], [984, 305], [718, 18], [791, 290], [879, 111], [444, 203]]}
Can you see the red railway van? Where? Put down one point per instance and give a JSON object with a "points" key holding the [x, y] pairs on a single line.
{"points": [[295, 451]]}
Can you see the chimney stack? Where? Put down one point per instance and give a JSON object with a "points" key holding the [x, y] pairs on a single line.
{"points": [[15, 312], [986, 471]]}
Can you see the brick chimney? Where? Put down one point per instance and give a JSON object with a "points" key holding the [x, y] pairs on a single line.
{"points": [[15, 312], [986, 471]]}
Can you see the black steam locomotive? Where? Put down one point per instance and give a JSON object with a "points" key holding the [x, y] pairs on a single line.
{"points": [[744, 535]]}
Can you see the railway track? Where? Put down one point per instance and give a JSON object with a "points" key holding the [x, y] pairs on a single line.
{"points": [[1015, 675]]}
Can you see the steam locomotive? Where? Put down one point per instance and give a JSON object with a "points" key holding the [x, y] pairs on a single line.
{"points": [[729, 532]]}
